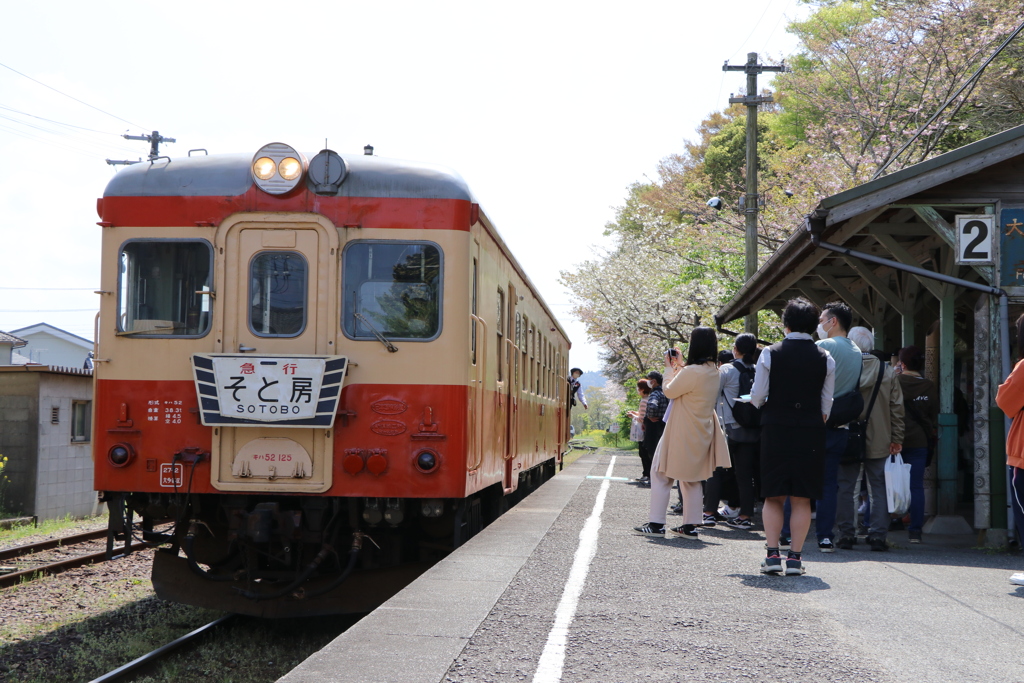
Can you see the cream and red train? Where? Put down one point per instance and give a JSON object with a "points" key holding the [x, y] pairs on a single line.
{"points": [[327, 372]]}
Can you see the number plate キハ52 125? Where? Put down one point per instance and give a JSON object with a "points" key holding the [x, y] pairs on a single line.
{"points": [[270, 391]]}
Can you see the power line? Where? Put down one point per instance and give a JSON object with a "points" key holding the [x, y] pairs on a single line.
{"points": [[945, 104], [70, 97], [59, 123], [752, 31]]}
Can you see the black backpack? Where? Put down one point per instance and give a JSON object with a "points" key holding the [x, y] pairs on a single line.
{"points": [[745, 414]]}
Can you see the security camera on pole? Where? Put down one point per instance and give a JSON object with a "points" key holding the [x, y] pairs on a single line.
{"points": [[750, 205]]}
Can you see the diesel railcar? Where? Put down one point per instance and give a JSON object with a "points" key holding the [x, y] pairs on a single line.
{"points": [[326, 372]]}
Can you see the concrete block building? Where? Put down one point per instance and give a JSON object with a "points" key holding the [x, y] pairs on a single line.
{"points": [[45, 432]]}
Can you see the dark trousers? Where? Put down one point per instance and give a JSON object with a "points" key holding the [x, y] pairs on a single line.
{"points": [[645, 456], [652, 435], [835, 445], [744, 464], [1017, 500]]}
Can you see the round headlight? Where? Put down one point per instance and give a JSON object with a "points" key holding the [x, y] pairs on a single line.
{"points": [[289, 168], [277, 168], [264, 168]]}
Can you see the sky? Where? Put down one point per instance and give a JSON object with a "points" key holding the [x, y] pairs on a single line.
{"points": [[549, 110]]}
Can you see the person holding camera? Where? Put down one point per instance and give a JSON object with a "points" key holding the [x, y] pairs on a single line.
{"points": [[693, 444], [793, 386]]}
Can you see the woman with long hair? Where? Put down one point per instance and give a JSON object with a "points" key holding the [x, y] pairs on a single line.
{"points": [[693, 444], [1010, 399]]}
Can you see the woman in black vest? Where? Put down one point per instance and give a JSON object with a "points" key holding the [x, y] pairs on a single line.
{"points": [[794, 382]]}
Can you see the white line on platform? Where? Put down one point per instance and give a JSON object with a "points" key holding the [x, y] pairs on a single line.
{"points": [[609, 478], [549, 669]]}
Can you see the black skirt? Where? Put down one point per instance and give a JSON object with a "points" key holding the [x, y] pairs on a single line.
{"points": [[792, 461]]}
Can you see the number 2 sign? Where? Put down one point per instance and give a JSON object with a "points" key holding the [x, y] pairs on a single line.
{"points": [[975, 238]]}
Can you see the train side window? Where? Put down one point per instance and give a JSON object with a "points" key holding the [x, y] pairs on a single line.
{"points": [[392, 288], [163, 286], [277, 294]]}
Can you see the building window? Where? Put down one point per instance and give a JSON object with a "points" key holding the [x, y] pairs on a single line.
{"points": [[81, 421], [55, 415], [164, 288], [393, 289]]}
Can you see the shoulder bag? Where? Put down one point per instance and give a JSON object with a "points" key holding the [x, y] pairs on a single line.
{"points": [[857, 442]]}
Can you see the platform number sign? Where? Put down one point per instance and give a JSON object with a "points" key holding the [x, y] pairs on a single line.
{"points": [[975, 238]]}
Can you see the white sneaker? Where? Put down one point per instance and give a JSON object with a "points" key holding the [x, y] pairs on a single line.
{"points": [[1017, 579], [728, 512]]}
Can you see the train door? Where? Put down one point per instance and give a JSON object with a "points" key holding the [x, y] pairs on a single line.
{"points": [[515, 330], [478, 343], [278, 322]]}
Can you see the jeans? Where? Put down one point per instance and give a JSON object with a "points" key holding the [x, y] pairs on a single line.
{"points": [[1016, 475], [835, 445], [916, 458]]}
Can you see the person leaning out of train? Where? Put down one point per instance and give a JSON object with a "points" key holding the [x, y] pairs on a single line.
{"points": [[921, 416], [576, 389], [693, 443], [884, 438], [636, 428], [1010, 399]]}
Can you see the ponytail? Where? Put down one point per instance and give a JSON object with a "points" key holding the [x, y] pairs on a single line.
{"points": [[746, 344]]}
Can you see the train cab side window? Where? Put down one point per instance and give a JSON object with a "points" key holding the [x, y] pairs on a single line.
{"points": [[277, 294], [393, 289], [164, 288]]}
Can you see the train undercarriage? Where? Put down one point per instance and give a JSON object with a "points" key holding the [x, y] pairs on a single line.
{"points": [[286, 556]]}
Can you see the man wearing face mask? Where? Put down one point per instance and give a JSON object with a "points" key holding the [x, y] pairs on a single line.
{"points": [[833, 324]]}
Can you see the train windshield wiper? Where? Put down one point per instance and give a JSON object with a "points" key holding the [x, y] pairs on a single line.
{"points": [[380, 337]]}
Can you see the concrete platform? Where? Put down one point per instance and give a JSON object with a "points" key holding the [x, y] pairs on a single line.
{"points": [[683, 610]]}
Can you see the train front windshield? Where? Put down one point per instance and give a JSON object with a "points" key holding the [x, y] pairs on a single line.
{"points": [[395, 287], [163, 288]]}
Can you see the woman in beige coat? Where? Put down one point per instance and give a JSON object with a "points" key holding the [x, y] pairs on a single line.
{"points": [[693, 444]]}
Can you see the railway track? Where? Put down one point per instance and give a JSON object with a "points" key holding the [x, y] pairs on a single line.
{"points": [[130, 669], [13, 561]]}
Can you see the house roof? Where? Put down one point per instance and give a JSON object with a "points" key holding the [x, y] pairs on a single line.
{"points": [[15, 342], [56, 332], [50, 369]]}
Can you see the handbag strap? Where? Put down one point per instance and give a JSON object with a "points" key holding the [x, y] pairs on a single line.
{"points": [[878, 385]]}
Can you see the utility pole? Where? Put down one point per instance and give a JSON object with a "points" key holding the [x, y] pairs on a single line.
{"points": [[750, 203], [154, 141]]}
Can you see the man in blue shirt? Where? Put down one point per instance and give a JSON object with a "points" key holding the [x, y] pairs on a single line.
{"points": [[833, 325]]}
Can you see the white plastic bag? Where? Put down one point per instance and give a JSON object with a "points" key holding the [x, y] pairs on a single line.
{"points": [[897, 485]]}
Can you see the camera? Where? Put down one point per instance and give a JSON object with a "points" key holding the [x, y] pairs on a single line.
{"points": [[672, 353]]}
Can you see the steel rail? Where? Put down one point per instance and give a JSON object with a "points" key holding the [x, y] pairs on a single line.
{"points": [[51, 568], [155, 655], [62, 565], [50, 544]]}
